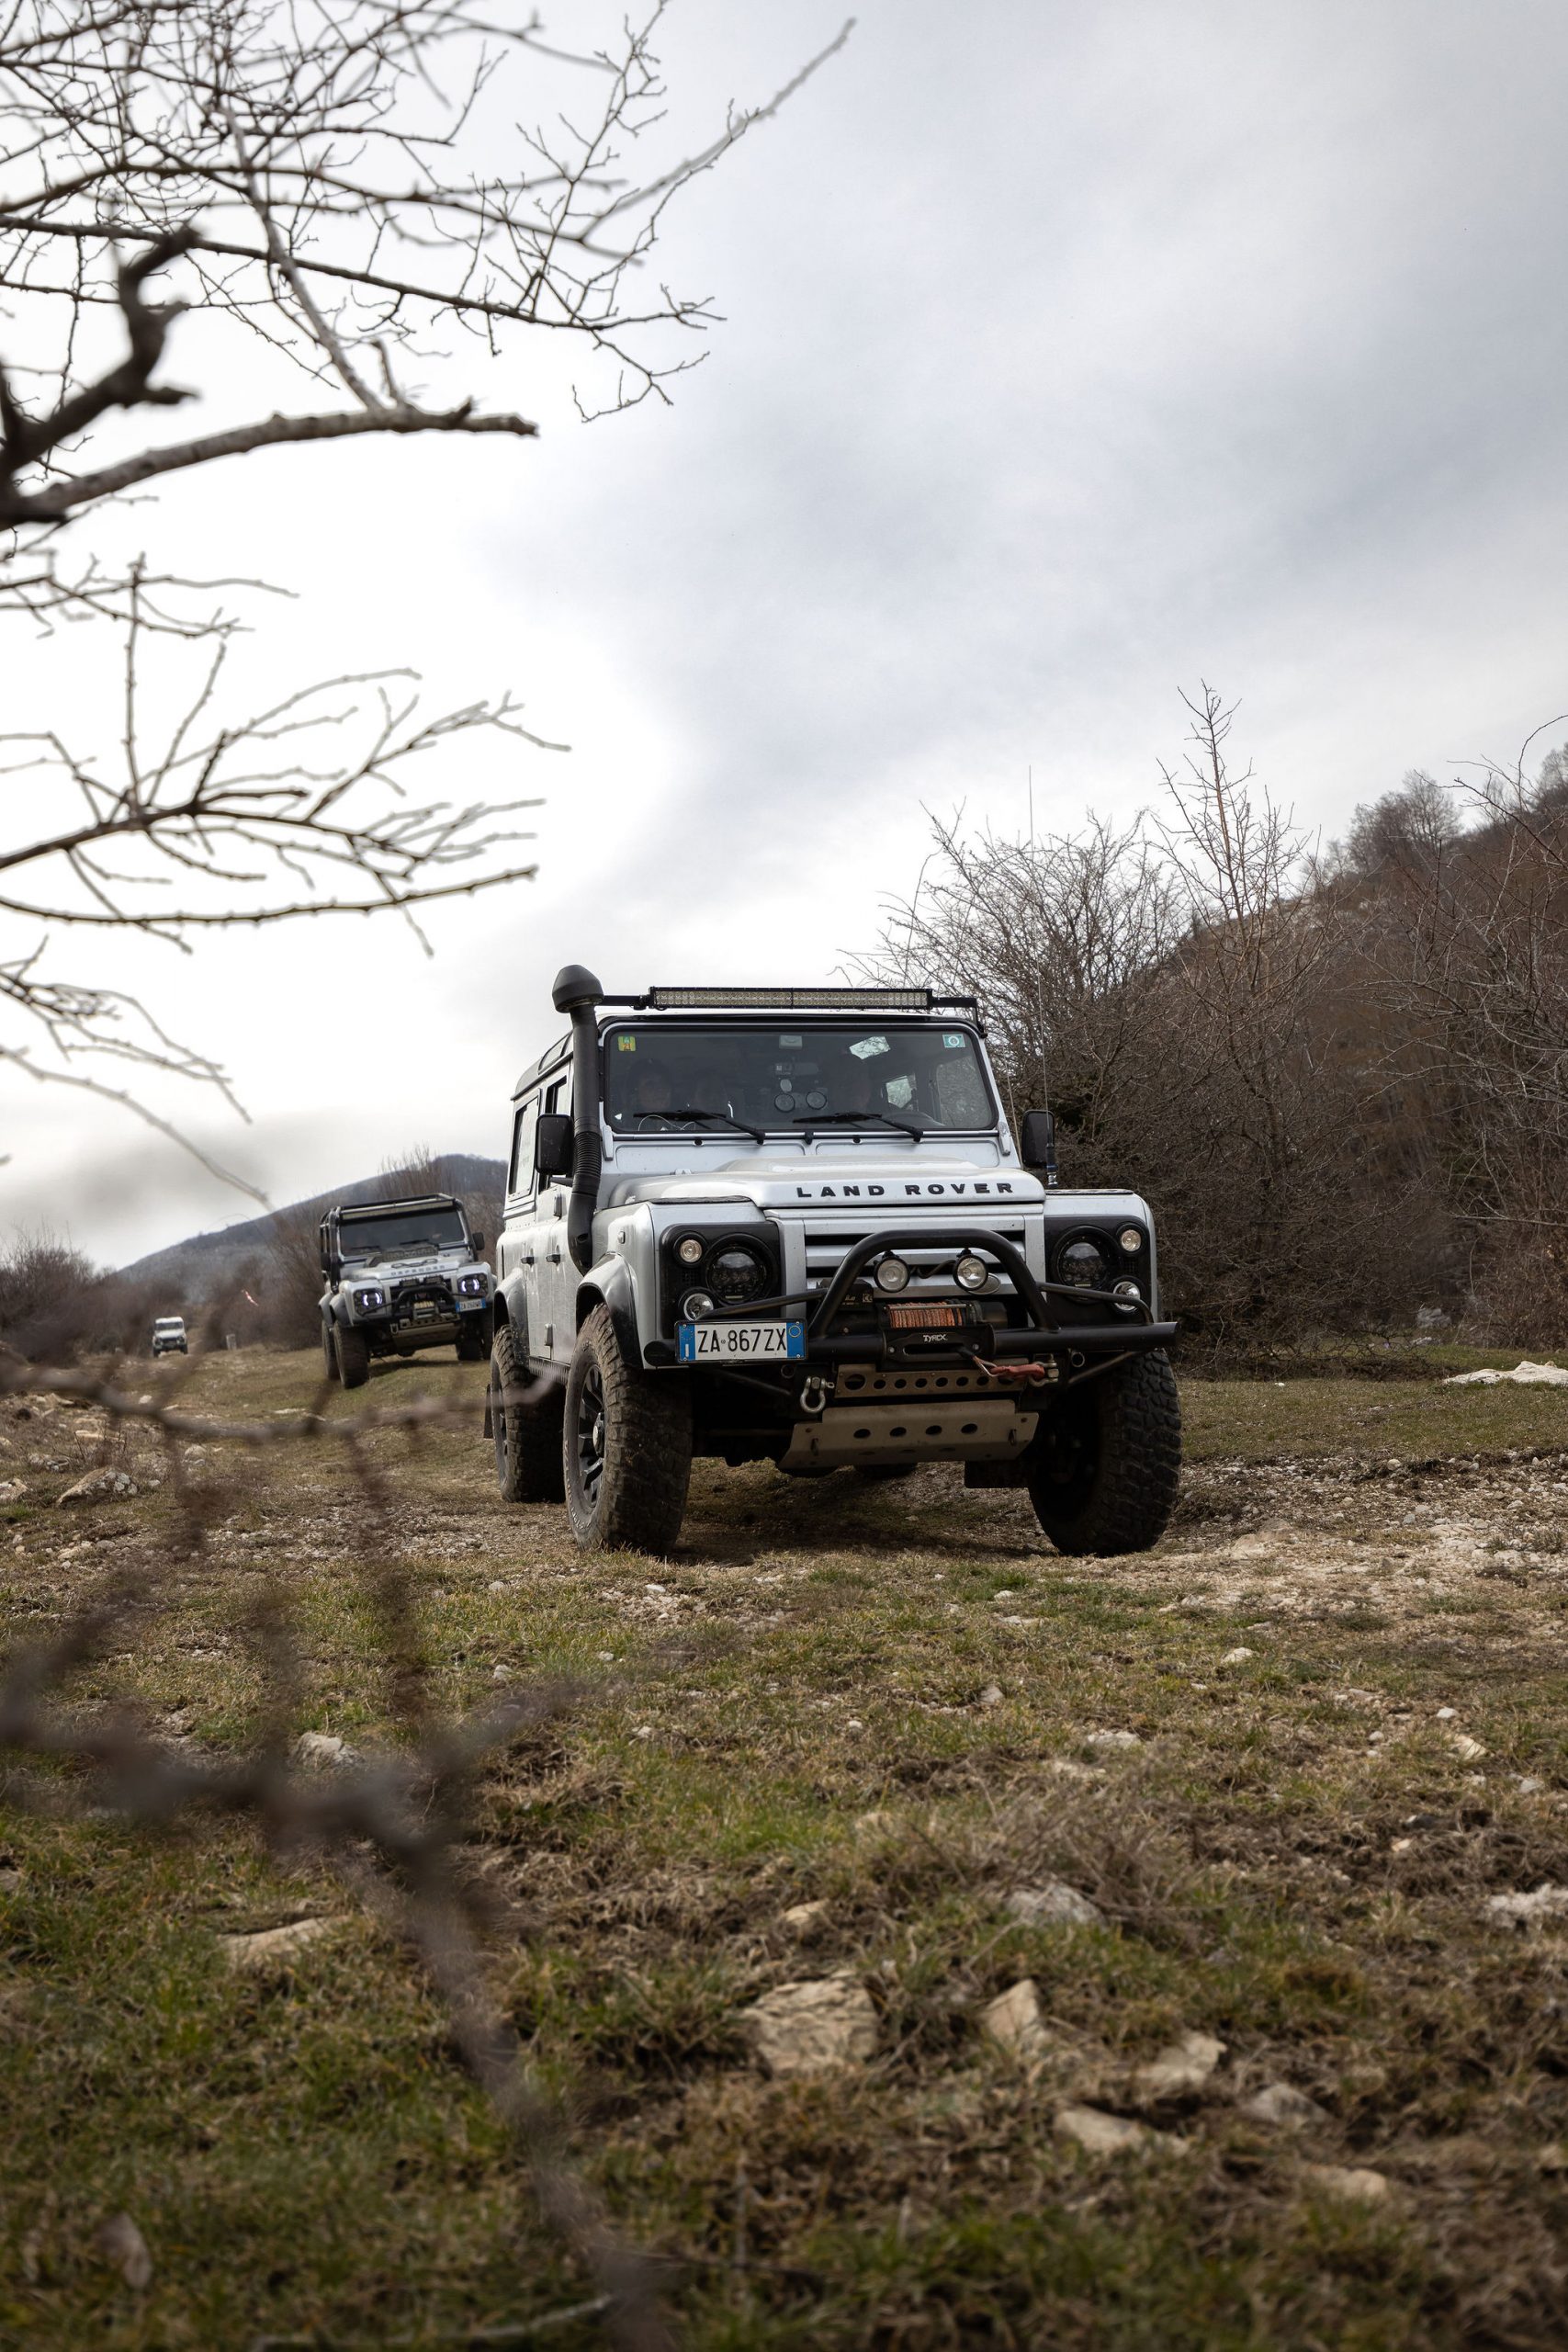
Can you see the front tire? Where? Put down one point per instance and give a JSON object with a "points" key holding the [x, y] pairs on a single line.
{"points": [[526, 1433], [627, 1447], [1107, 1462], [353, 1351], [473, 1346], [329, 1352]]}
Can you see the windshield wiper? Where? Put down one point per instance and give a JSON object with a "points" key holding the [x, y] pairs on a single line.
{"points": [[690, 1110], [858, 1119]]}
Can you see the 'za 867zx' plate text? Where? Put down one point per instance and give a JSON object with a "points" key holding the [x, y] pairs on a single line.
{"points": [[729, 1342]]}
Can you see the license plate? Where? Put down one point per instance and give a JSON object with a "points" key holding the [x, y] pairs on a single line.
{"points": [[729, 1342]]}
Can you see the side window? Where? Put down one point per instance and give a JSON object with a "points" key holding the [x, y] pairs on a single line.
{"points": [[521, 1179]]}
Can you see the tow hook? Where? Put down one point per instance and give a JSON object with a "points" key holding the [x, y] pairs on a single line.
{"points": [[813, 1394], [1021, 1375]]}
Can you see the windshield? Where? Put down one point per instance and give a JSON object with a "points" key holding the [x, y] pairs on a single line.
{"points": [[655, 1078], [389, 1237]]}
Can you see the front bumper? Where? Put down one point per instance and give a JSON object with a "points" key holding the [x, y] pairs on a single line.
{"points": [[1040, 1334]]}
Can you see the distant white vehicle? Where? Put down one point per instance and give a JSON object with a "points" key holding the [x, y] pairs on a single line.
{"points": [[169, 1333]]}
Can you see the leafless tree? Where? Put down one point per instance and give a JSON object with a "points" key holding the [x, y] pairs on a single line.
{"points": [[369, 203]]}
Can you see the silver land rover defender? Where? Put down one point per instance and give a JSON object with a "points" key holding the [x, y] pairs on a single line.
{"points": [[792, 1224], [402, 1275]]}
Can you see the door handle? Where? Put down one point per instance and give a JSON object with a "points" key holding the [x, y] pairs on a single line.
{"points": [[554, 1253]]}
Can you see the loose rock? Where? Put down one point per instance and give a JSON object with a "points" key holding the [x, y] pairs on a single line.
{"points": [[99, 1487], [1356, 2185], [1283, 2103], [121, 2243], [805, 1919], [322, 1748], [1184, 2065], [1107, 1740], [817, 2027], [11, 1489], [991, 1695], [271, 1946], [1237, 1657], [1015, 2022], [1109, 2135], [1527, 1910], [1055, 1905]]}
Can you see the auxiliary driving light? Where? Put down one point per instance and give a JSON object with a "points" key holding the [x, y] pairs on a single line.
{"points": [[972, 1273], [695, 1305], [689, 1249], [892, 1274], [1131, 1240], [1127, 1295]]}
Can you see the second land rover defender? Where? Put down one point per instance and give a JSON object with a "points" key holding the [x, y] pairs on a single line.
{"points": [[402, 1275], [793, 1225]]}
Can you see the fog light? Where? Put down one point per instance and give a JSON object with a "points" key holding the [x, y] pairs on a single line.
{"points": [[1127, 1295], [972, 1273], [892, 1275], [1131, 1240], [689, 1249], [695, 1305]]}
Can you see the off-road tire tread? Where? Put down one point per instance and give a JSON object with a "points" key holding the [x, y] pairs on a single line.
{"points": [[353, 1355], [472, 1347], [648, 1462], [1140, 1465], [329, 1350], [533, 1473]]}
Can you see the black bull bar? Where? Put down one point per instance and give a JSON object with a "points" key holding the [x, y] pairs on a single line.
{"points": [[1134, 1331]]}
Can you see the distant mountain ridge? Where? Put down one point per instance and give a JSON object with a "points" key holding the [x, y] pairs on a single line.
{"points": [[205, 1261]]}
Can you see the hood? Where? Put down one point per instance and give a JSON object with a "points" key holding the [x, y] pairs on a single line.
{"points": [[933, 1179], [442, 1265]]}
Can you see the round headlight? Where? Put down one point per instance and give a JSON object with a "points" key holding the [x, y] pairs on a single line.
{"points": [[1084, 1264], [736, 1273], [972, 1273], [689, 1249], [892, 1274], [1131, 1240], [694, 1305], [1127, 1295], [367, 1300]]}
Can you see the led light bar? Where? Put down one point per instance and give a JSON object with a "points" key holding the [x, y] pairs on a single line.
{"points": [[798, 1000]]}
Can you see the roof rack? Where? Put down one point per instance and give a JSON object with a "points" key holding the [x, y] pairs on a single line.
{"points": [[384, 1208], [825, 1000]]}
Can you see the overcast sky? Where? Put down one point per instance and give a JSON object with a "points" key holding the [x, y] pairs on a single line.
{"points": [[1071, 353]]}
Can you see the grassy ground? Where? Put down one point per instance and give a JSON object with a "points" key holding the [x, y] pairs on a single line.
{"points": [[1293, 1856]]}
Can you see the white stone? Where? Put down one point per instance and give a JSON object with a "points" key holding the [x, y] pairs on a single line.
{"points": [[1529, 1786], [100, 1487], [1459, 1743], [1527, 1910], [1526, 1375], [1352, 2182], [10, 1488], [321, 1749], [1183, 2065], [1283, 2103], [272, 1945], [805, 1919], [1237, 1657], [1015, 2022], [1109, 2135], [817, 2027], [503, 1673], [991, 1695], [643, 1731], [1446, 1715], [1054, 1904], [1107, 1740]]}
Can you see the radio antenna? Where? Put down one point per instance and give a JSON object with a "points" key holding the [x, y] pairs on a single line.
{"points": [[1051, 1176]]}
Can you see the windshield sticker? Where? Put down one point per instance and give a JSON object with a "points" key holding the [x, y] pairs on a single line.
{"points": [[864, 1047], [952, 1039], [790, 1044], [625, 1043]]}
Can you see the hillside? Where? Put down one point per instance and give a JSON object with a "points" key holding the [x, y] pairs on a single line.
{"points": [[205, 1261]]}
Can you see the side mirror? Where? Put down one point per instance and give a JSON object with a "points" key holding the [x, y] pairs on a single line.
{"points": [[552, 1146], [1037, 1143], [476, 1243]]}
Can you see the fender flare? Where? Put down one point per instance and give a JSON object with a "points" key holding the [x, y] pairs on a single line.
{"points": [[610, 1284]]}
